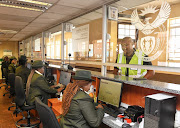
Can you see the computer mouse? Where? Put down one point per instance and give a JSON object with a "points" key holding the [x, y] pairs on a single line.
{"points": [[126, 126]]}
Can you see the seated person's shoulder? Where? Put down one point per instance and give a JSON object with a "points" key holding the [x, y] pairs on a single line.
{"points": [[37, 76], [80, 95]]}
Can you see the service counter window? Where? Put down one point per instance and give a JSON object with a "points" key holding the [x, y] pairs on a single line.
{"points": [[144, 35], [37, 47], [83, 37], [53, 43]]}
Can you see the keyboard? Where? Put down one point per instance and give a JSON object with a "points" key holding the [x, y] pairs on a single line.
{"points": [[111, 112]]}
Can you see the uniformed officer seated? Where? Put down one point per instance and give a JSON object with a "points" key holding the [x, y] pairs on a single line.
{"points": [[37, 86], [22, 69], [13, 64]]}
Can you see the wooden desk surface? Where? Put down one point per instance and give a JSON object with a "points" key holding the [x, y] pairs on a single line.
{"points": [[57, 110], [54, 102]]}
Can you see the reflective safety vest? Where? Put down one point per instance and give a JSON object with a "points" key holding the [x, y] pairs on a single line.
{"points": [[133, 72]]}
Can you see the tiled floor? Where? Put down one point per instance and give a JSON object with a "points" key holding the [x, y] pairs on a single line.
{"points": [[6, 118]]}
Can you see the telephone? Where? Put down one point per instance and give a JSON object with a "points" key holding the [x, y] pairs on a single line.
{"points": [[133, 112]]}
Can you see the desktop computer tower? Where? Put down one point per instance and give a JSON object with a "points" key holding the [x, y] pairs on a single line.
{"points": [[159, 111]]}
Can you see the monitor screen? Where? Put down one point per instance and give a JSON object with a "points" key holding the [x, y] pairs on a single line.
{"points": [[65, 78], [110, 92]]}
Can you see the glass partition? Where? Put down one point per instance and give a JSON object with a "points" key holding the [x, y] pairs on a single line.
{"points": [[53, 43], [28, 47], [83, 37], [37, 47], [144, 33]]}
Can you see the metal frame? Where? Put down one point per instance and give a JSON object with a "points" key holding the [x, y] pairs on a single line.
{"points": [[62, 43], [104, 40], [103, 64]]}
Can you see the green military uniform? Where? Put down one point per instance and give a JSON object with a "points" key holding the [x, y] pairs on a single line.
{"points": [[82, 113], [39, 88], [11, 68], [23, 72]]}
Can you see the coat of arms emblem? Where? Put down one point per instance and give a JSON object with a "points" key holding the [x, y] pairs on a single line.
{"points": [[153, 34]]}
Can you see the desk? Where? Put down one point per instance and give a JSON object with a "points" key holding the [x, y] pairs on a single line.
{"points": [[56, 106], [54, 102]]}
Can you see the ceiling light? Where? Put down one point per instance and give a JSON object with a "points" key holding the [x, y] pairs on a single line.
{"points": [[20, 7], [36, 2], [7, 31]]}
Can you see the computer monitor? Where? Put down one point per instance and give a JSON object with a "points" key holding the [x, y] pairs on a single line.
{"points": [[110, 92], [65, 78]]}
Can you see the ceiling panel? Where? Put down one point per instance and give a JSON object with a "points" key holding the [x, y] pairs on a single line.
{"points": [[49, 1], [6, 35], [9, 22], [34, 24], [15, 18], [29, 23], [43, 20], [4, 39], [92, 16], [52, 16], [64, 10], [19, 12], [83, 4], [78, 21], [11, 27], [30, 29], [123, 5]]}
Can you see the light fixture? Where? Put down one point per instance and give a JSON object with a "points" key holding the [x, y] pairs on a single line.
{"points": [[7, 31], [26, 4], [20, 7], [36, 2]]}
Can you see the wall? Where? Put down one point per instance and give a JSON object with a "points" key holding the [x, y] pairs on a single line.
{"points": [[12, 46]]}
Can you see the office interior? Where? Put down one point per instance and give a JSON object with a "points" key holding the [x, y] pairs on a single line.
{"points": [[84, 34]]}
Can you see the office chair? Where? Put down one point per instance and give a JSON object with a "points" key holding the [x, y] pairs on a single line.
{"points": [[5, 75], [47, 116], [20, 100], [10, 82], [11, 79]]}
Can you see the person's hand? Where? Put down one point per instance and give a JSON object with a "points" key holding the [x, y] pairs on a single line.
{"points": [[53, 86], [99, 106], [60, 89], [60, 85]]}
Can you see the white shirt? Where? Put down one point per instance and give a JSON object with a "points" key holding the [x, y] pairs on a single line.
{"points": [[38, 72], [84, 91]]}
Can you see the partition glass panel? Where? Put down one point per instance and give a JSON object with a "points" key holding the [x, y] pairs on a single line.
{"points": [[28, 47], [37, 47], [83, 37], [53, 43], [154, 39]]}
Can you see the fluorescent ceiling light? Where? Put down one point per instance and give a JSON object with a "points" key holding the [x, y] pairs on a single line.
{"points": [[36, 2], [19, 7], [8, 31]]}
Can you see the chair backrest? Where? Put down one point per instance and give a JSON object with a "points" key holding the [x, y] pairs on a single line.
{"points": [[11, 78], [5, 73], [20, 93], [47, 116]]}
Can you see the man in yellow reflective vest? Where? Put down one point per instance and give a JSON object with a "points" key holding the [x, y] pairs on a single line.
{"points": [[128, 56]]}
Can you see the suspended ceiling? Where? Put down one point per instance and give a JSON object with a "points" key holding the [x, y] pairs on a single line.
{"points": [[25, 23]]}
